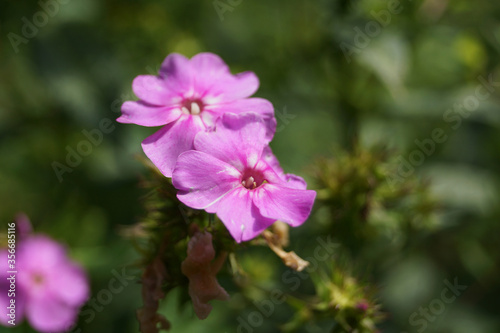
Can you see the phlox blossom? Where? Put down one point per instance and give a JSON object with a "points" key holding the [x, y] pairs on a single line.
{"points": [[187, 97], [233, 173], [48, 288]]}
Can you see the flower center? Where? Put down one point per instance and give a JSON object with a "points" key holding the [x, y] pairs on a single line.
{"points": [[37, 279], [192, 106], [251, 179]]}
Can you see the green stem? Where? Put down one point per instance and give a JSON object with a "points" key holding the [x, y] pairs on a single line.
{"points": [[211, 220]]}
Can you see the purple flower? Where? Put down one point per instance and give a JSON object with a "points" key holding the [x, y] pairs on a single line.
{"points": [[188, 96], [49, 287], [234, 174]]}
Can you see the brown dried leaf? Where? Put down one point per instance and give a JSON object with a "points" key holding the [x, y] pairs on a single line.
{"points": [[201, 272], [290, 259], [152, 279]]}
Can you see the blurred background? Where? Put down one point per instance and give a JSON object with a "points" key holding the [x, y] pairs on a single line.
{"points": [[419, 78]]}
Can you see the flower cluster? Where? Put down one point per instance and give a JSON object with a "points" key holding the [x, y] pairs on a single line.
{"points": [[214, 143], [49, 288]]}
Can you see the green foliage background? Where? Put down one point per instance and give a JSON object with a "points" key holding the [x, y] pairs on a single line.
{"points": [[78, 68]]}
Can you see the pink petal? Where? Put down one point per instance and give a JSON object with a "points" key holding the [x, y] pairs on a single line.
{"points": [[243, 85], [238, 143], [241, 216], [272, 161], [270, 175], [289, 205], [154, 90], [144, 114], [296, 182], [48, 314], [232, 87], [254, 104], [209, 65], [209, 68], [209, 118], [69, 283], [177, 74], [40, 253], [163, 147], [202, 179], [214, 81], [260, 106], [291, 180]]}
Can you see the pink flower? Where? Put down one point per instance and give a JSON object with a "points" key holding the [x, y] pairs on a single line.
{"points": [[187, 97], [234, 174], [49, 287]]}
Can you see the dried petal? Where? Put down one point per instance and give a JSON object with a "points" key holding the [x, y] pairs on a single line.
{"points": [[201, 272]]}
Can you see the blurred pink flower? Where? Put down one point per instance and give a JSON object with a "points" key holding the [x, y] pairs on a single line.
{"points": [[49, 287], [187, 97], [234, 174]]}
